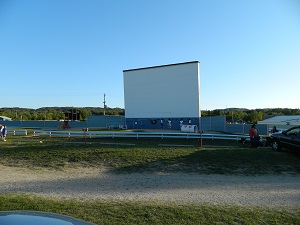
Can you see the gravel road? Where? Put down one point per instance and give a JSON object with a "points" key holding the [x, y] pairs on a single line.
{"points": [[90, 183]]}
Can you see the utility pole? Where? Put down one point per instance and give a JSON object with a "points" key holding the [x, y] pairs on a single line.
{"points": [[104, 106]]}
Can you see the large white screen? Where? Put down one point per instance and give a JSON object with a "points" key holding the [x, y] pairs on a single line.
{"points": [[163, 91]]}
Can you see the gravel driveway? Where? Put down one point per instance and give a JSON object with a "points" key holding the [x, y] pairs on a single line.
{"points": [[90, 183]]}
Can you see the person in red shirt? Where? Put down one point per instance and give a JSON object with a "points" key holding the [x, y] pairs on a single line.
{"points": [[254, 136]]}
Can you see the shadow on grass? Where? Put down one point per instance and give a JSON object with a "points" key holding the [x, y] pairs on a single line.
{"points": [[147, 156], [223, 161]]}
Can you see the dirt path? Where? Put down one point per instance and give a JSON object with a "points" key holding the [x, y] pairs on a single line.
{"points": [[178, 188]]}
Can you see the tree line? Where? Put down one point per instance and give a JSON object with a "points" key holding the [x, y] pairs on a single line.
{"points": [[57, 113], [240, 115], [233, 115]]}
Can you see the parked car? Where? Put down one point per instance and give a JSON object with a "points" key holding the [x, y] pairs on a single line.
{"points": [[289, 139]]}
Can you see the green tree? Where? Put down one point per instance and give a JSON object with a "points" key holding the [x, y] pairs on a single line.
{"points": [[253, 116]]}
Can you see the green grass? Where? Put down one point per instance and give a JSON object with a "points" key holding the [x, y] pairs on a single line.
{"points": [[146, 155], [103, 212]]}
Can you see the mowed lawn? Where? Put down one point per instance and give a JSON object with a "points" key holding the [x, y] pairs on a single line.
{"points": [[148, 156]]}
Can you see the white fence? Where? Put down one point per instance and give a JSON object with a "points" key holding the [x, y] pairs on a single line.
{"points": [[17, 132], [162, 135]]}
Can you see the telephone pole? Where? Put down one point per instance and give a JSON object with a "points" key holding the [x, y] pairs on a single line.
{"points": [[104, 105]]}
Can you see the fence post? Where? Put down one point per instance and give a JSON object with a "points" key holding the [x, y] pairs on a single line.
{"points": [[84, 136], [201, 139]]}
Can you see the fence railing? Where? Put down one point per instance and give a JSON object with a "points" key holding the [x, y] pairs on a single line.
{"points": [[162, 135], [17, 132]]}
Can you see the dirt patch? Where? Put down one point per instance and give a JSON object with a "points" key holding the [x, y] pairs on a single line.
{"points": [[179, 188]]}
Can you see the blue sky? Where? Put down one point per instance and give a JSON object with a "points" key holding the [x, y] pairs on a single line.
{"points": [[71, 52]]}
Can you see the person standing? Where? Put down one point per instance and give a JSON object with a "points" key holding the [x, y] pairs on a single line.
{"points": [[254, 136], [4, 132], [274, 130], [268, 142], [1, 127], [190, 122]]}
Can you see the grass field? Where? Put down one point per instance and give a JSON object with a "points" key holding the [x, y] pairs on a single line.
{"points": [[146, 155], [150, 156], [101, 212]]}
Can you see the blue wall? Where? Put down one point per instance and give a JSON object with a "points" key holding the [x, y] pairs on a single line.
{"points": [[213, 123], [105, 121], [210, 123], [40, 124], [244, 128], [216, 123], [149, 123]]}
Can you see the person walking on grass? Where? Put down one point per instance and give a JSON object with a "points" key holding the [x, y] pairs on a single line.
{"points": [[1, 127], [4, 132]]}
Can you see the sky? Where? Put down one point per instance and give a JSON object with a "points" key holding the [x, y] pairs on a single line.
{"points": [[72, 52]]}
